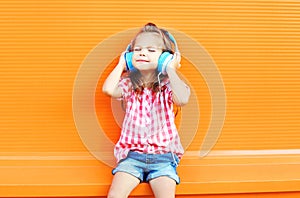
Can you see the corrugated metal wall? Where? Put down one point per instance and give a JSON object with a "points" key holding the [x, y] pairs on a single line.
{"points": [[254, 44]]}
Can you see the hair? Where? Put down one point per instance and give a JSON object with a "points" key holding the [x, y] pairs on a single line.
{"points": [[135, 76]]}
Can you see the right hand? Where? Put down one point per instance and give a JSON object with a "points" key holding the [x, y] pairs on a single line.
{"points": [[122, 61]]}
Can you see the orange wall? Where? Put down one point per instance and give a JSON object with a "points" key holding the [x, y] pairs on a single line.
{"points": [[254, 46]]}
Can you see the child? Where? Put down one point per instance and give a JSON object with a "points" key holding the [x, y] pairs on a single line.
{"points": [[149, 147]]}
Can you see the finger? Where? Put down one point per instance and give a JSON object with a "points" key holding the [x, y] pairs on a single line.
{"points": [[178, 59]]}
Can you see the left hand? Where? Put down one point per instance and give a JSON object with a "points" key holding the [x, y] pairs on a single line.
{"points": [[175, 63]]}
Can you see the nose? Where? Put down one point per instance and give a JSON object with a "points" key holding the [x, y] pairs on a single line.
{"points": [[143, 52]]}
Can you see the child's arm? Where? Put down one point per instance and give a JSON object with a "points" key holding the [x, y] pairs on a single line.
{"points": [[181, 92], [110, 86]]}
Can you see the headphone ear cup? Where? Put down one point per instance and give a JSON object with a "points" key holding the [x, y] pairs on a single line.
{"points": [[163, 61], [128, 59]]}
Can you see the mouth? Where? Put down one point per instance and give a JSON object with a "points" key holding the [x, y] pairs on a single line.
{"points": [[142, 61]]}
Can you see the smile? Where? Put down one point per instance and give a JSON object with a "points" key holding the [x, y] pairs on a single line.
{"points": [[142, 61]]}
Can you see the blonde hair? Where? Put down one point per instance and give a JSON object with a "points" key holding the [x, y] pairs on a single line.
{"points": [[152, 28]]}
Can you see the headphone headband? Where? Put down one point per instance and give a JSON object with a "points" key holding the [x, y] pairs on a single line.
{"points": [[173, 40], [171, 37]]}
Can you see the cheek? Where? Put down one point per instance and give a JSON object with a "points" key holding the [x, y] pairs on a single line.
{"points": [[155, 57], [134, 57]]}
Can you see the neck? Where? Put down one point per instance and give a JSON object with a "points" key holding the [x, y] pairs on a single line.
{"points": [[148, 77]]}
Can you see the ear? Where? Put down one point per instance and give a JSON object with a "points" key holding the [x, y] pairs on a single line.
{"points": [[163, 61], [128, 59]]}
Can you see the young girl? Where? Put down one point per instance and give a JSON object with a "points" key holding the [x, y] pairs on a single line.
{"points": [[149, 147]]}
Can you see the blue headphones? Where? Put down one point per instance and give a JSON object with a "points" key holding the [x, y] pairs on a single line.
{"points": [[163, 61]]}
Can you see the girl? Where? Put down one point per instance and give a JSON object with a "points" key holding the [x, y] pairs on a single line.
{"points": [[149, 147]]}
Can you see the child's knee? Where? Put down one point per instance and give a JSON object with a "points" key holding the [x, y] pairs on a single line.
{"points": [[115, 193]]}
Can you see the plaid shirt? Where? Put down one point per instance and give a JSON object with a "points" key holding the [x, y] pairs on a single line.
{"points": [[148, 125]]}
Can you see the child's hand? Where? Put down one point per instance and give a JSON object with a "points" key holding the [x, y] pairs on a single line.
{"points": [[175, 63], [122, 61]]}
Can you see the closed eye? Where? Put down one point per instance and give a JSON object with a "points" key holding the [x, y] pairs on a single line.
{"points": [[150, 49], [137, 49]]}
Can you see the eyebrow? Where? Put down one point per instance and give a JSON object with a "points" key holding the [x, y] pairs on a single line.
{"points": [[148, 47]]}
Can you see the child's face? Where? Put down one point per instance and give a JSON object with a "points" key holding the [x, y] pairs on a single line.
{"points": [[146, 51]]}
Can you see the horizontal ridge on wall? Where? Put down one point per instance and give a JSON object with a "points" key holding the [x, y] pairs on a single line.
{"points": [[254, 44]]}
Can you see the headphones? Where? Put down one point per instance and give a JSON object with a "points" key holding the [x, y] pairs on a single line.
{"points": [[163, 61]]}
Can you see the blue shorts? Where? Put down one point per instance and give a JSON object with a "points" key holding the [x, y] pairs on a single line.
{"points": [[149, 166]]}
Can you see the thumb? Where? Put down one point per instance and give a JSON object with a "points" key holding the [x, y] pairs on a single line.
{"points": [[177, 56]]}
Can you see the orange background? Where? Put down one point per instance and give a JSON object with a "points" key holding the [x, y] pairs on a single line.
{"points": [[255, 45]]}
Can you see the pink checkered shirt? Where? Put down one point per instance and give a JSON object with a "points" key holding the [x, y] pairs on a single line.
{"points": [[148, 125]]}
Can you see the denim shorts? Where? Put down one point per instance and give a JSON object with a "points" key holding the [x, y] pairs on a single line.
{"points": [[149, 166]]}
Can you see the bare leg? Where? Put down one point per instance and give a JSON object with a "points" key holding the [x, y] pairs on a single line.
{"points": [[163, 187], [122, 184]]}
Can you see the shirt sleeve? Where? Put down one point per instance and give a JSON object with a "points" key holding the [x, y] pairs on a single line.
{"points": [[168, 93], [126, 87]]}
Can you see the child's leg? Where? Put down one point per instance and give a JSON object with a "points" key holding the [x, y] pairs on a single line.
{"points": [[122, 184], [163, 187]]}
